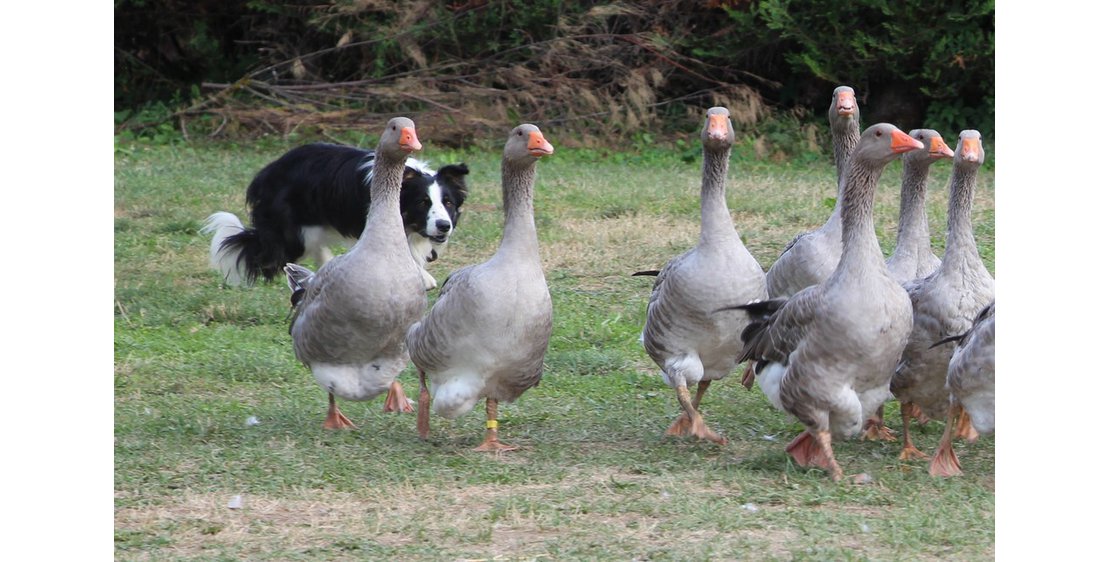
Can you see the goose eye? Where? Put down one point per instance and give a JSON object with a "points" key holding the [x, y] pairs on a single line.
{"points": [[878, 133]]}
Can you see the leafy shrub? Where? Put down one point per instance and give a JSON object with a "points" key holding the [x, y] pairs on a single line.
{"points": [[465, 69]]}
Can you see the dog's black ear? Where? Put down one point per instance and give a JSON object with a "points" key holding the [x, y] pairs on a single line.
{"points": [[456, 174]]}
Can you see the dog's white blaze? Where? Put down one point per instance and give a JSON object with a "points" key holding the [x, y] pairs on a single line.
{"points": [[437, 211]]}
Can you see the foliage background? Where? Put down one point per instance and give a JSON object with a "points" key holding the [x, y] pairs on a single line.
{"points": [[465, 68]]}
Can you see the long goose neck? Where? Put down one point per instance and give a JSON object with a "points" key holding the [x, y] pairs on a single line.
{"points": [[517, 185], [913, 224], [716, 222], [860, 245], [960, 246], [845, 139], [383, 219]]}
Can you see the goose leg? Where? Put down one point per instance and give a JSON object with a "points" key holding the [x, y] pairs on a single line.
{"points": [[697, 424], [875, 430], [918, 413], [809, 451], [749, 376], [909, 452], [491, 444], [681, 426], [423, 415], [335, 419], [396, 401], [944, 462], [964, 429]]}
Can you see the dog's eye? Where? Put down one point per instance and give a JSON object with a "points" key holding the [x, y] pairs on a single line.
{"points": [[448, 204], [427, 201]]}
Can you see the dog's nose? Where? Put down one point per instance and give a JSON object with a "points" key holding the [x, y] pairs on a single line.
{"points": [[443, 225]]}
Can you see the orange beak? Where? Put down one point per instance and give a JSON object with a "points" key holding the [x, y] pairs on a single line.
{"points": [[538, 146], [718, 127], [409, 141], [901, 142], [969, 150], [937, 149], [845, 103]]}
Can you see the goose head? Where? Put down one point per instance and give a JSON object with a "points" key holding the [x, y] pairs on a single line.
{"points": [[935, 147], [881, 143], [844, 111], [969, 149], [399, 138], [718, 128], [526, 144]]}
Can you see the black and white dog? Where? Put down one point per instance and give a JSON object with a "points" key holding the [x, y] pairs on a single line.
{"points": [[317, 195]]}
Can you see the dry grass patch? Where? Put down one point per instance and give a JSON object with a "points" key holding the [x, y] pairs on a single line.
{"points": [[586, 507], [618, 246]]}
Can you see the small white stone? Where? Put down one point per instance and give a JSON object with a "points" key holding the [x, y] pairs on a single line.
{"points": [[235, 503], [749, 507], [768, 437], [252, 421]]}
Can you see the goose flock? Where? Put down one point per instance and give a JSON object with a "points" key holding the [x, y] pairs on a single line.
{"points": [[831, 332]]}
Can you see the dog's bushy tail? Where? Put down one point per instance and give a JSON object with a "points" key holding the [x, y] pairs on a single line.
{"points": [[242, 254]]}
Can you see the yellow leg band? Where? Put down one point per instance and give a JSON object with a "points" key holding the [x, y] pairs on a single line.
{"points": [[491, 424]]}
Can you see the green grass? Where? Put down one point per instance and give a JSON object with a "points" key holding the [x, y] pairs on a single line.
{"points": [[595, 478]]}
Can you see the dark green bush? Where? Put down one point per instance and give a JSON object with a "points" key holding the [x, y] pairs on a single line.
{"points": [[591, 67]]}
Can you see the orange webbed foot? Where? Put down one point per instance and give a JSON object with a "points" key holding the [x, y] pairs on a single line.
{"points": [[911, 453], [874, 430], [919, 414], [944, 462], [813, 452], [336, 420], [964, 429], [396, 401], [680, 427], [701, 431], [493, 445]]}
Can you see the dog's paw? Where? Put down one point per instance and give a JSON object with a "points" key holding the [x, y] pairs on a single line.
{"points": [[432, 256], [429, 281]]}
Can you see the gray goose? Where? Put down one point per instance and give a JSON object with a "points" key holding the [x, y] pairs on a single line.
{"points": [[826, 354], [913, 256], [488, 331], [349, 318], [681, 334], [812, 256], [944, 303], [971, 383]]}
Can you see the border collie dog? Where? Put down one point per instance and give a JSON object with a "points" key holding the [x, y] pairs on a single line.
{"points": [[317, 195]]}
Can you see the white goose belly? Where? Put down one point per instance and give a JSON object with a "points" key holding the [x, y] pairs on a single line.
{"points": [[358, 382]]}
